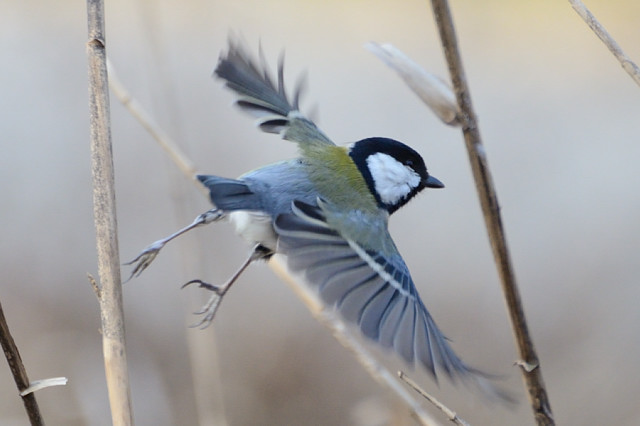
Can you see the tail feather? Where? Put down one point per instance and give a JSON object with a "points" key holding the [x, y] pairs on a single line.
{"points": [[230, 194]]}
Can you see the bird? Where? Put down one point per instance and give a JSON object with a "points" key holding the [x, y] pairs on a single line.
{"points": [[327, 212]]}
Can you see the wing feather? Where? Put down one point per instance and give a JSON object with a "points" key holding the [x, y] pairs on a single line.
{"points": [[391, 319], [373, 312], [372, 290], [259, 95]]}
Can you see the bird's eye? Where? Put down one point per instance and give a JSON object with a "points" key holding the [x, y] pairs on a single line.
{"points": [[408, 163]]}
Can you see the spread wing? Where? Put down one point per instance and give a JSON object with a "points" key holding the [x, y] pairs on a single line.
{"points": [[373, 290], [260, 96]]}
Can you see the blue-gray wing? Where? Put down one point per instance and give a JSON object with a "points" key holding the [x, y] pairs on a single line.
{"points": [[373, 290], [260, 96]]}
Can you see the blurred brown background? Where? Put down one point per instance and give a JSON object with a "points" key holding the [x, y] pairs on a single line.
{"points": [[560, 121]]}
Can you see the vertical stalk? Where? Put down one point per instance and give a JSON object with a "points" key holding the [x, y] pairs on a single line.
{"points": [[529, 362], [104, 210], [14, 360]]}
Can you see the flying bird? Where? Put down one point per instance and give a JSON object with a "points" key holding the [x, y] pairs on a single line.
{"points": [[327, 211]]}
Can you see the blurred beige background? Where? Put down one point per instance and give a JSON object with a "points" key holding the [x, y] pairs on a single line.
{"points": [[560, 120]]}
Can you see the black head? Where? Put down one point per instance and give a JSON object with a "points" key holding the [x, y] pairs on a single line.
{"points": [[393, 171]]}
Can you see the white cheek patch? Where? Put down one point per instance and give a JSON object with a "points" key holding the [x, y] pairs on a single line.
{"points": [[392, 179]]}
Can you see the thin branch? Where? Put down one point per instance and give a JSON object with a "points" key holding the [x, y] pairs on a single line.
{"points": [[451, 415], [104, 211], [133, 106], [491, 211], [629, 66], [16, 366], [308, 297]]}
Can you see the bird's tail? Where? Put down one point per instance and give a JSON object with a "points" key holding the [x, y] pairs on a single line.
{"points": [[260, 96], [230, 194]]}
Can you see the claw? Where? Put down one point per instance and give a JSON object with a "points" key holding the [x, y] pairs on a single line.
{"points": [[151, 248], [144, 259], [209, 309], [210, 313], [202, 284]]}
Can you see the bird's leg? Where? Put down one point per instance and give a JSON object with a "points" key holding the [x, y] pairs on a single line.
{"points": [[144, 259], [209, 309]]}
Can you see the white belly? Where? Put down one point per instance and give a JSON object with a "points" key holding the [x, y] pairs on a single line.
{"points": [[255, 227]]}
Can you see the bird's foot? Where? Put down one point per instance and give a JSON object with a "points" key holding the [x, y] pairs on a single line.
{"points": [[208, 310], [144, 259]]}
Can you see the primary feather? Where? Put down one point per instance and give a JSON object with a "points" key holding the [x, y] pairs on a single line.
{"points": [[261, 97], [369, 288]]}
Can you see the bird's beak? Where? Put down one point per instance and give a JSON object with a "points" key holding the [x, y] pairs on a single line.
{"points": [[432, 182]]}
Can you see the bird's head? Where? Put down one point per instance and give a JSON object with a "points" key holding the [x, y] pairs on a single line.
{"points": [[393, 171]]}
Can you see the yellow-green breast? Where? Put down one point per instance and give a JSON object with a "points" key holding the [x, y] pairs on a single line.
{"points": [[337, 177]]}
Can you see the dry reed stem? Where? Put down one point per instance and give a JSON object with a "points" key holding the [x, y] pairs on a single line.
{"points": [[104, 210], [172, 149], [451, 415], [16, 366], [491, 211], [629, 66]]}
